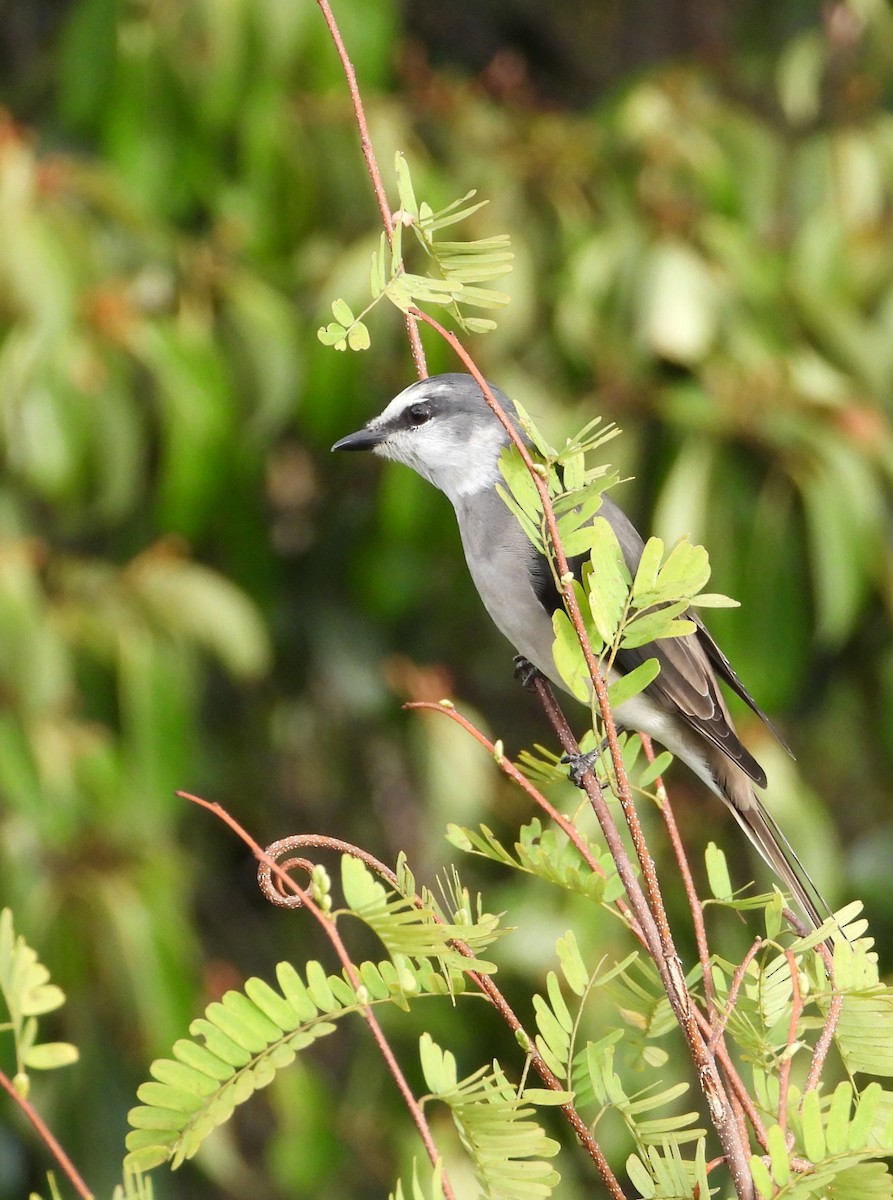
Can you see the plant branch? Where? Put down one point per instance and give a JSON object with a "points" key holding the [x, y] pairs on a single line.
{"points": [[329, 928], [721, 1111], [694, 903], [483, 982], [509, 769], [47, 1137], [350, 75], [784, 1075], [823, 1044]]}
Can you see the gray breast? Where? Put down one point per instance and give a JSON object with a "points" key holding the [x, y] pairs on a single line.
{"points": [[499, 555]]}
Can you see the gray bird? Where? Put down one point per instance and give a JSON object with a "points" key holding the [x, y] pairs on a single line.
{"points": [[443, 428]]}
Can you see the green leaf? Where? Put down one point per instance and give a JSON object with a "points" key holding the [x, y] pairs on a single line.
{"points": [[654, 770], [683, 574], [495, 1127], [534, 434], [718, 872], [247, 1038], [342, 312], [438, 1066], [761, 1178], [633, 683], [714, 600], [434, 1192], [405, 189], [652, 626], [477, 324], [778, 1156], [358, 337], [568, 656], [645, 582], [546, 1097], [572, 966], [333, 335], [27, 994], [609, 584], [813, 1127], [49, 1055]]}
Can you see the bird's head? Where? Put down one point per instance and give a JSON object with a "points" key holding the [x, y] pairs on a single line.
{"points": [[444, 429]]}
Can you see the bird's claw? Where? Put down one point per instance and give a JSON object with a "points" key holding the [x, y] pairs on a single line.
{"points": [[580, 764], [525, 672]]}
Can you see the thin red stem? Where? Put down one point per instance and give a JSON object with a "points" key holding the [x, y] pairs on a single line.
{"points": [[694, 903], [350, 75], [784, 1074], [331, 932], [722, 1113], [509, 769], [270, 866], [48, 1138], [734, 989]]}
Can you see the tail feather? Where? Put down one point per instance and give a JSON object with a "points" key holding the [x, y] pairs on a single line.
{"points": [[765, 833]]}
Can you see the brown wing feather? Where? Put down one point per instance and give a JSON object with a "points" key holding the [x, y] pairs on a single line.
{"points": [[687, 687]]}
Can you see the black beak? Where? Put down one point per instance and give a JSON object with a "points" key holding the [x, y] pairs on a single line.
{"points": [[363, 439]]}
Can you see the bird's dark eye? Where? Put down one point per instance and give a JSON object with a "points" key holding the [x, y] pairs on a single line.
{"points": [[418, 414]]}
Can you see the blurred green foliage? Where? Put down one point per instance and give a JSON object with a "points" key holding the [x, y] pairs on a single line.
{"points": [[192, 595]]}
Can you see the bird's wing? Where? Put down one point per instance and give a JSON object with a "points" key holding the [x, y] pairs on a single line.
{"points": [[687, 685], [729, 676]]}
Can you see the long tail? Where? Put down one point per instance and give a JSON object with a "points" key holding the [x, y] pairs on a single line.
{"points": [[763, 830]]}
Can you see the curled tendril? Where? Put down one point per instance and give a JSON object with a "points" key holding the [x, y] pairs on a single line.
{"points": [[275, 889]]}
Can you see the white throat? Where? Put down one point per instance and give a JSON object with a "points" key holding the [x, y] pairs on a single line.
{"points": [[457, 469]]}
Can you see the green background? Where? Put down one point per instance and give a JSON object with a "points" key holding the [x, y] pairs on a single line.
{"points": [[194, 594]]}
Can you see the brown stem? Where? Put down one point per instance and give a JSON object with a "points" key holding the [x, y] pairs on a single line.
{"points": [[823, 1045], [733, 1080], [483, 982], [784, 1075], [734, 989], [694, 903], [509, 769], [48, 1138], [331, 932], [412, 329], [742, 1096], [721, 1111]]}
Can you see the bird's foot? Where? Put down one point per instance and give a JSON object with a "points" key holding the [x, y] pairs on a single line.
{"points": [[581, 764], [525, 672]]}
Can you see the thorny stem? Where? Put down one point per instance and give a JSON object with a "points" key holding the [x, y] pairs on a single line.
{"points": [[697, 916], [509, 769], [694, 903], [483, 982], [784, 1074], [412, 329], [721, 1111], [734, 989], [331, 932], [823, 1045], [48, 1138], [739, 1093]]}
